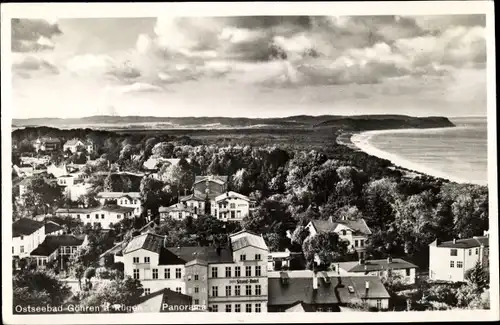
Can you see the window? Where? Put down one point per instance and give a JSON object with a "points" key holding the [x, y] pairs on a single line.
{"points": [[196, 289], [408, 272], [136, 274], [343, 232], [257, 270], [215, 291], [232, 205], [88, 216], [237, 308], [319, 309], [233, 214], [155, 273], [453, 252], [243, 257], [356, 243], [22, 249], [215, 308], [97, 216], [118, 216], [248, 289], [214, 272], [102, 216], [452, 264], [167, 273], [248, 308], [228, 291], [228, 271], [470, 252], [362, 243], [257, 308], [258, 290], [379, 304], [228, 308], [248, 271], [460, 264], [237, 271], [147, 291], [237, 290], [258, 257], [178, 273], [178, 290], [197, 301], [146, 259], [78, 216], [196, 277], [477, 251], [238, 214]]}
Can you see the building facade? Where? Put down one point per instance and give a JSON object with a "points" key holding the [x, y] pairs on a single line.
{"points": [[73, 145], [211, 186], [58, 248], [105, 216], [122, 199], [178, 211], [450, 260], [47, 144], [231, 206]]}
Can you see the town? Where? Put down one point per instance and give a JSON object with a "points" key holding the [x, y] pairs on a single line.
{"points": [[159, 223]]}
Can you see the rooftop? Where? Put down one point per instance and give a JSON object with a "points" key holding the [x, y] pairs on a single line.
{"points": [[467, 242], [178, 207], [164, 300], [376, 265], [108, 208], [231, 195], [357, 226], [117, 195], [25, 226], [183, 255], [220, 179], [194, 197], [248, 240], [336, 290], [51, 227], [52, 243]]}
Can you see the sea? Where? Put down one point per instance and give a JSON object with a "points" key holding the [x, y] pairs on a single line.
{"points": [[458, 153]]}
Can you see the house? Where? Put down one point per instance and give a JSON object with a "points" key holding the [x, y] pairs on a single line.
{"points": [[450, 260], [165, 301], [73, 145], [286, 260], [355, 232], [57, 248], [178, 211], [382, 268], [229, 278], [47, 144], [211, 185], [78, 190], [57, 171], [24, 170], [113, 255], [196, 202], [123, 199], [321, 292], [105, 216], [27, 234], [231, 206]]}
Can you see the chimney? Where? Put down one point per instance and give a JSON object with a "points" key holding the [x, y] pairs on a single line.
{"points": [[165, 241], [315, 281], [389, 260], [454, 241], [361, 261], [367, 285], [338, 268]]}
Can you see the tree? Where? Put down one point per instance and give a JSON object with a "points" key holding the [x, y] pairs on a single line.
{"points": [[163, 149], [108, 183], [38, 288], [40, 195], [152, 195], [478, 276], [328, 247], [299, 235]]}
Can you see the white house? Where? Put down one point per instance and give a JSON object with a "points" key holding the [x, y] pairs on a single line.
{"points": [[73, 145], [450, 260], [123, 199], [355, 232], [105, 215], [27, 234], [231, 206], [178, 211], [383, 268], [47, 144], [194, 201], [57, 247]]}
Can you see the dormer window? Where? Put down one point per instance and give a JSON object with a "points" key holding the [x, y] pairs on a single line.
{"points": [[343, 232]]}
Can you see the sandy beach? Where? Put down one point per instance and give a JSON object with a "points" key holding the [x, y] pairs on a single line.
{"points": [[362, 141]]}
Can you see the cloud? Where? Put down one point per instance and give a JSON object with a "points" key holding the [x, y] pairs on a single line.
{"points": [[32, 35], [135, 88], [32, 63]]}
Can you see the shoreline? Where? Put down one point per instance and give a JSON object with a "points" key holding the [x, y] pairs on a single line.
{"points": [[361, 141]]}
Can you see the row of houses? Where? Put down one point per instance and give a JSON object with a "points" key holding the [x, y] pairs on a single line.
{"points": [[54, 144]]}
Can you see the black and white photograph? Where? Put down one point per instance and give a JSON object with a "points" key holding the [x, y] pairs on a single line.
{"points": [[248, 164]]}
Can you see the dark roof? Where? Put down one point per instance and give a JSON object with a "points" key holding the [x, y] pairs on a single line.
{"points": [[109, 208], [51, 227], [51, 243], [216, 178], [50, 140], [115, 250], [25, 226], [147, 241], [359, 226], [335, 292], [467, 242], [171, 301], [182, 255], [117, 208], [376, 265], [194, 197]]}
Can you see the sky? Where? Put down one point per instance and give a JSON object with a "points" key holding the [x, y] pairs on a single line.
{"points": [[252, 66]]}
